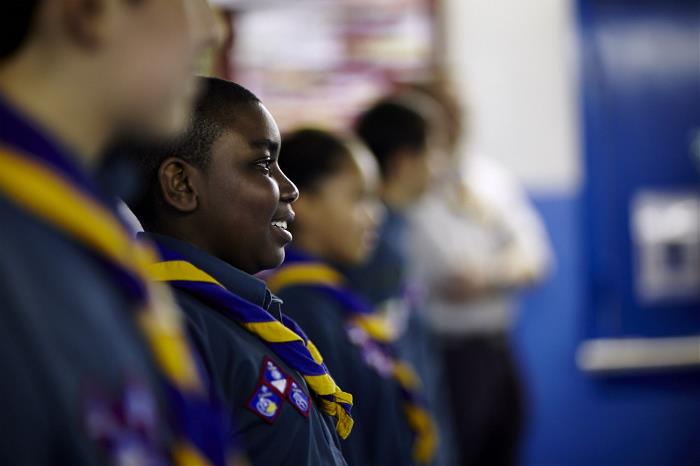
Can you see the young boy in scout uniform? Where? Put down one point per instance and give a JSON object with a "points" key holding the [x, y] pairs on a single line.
{"points": [[95, 368], [219, 208]]}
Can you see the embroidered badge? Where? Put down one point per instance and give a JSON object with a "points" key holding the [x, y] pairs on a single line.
{"points": [[299, 399], [266, 403], [273, 376], [124, 428]]}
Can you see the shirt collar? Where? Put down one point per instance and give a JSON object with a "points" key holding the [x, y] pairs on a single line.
{"points": [[235, 280]]}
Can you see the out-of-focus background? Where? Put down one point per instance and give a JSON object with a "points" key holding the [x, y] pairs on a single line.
{"points": [[594, 106]]}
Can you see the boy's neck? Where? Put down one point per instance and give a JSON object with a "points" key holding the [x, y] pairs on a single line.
{"points": [[185, 232], [190, 233], [59, 105]]}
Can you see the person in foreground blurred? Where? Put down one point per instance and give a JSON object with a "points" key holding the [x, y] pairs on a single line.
{"points": [[475, 240], [337, 216], [218, 206], [403, 139], [96, 367]]}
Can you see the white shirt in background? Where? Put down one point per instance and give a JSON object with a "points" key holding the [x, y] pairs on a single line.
{"points": [[482, 225]]}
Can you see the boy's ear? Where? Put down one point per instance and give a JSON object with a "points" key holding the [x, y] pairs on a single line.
{"points": [[88, 22], [176, 178]]}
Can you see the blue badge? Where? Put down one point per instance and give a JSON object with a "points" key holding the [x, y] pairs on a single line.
{"points": [[265, 403], [273, 376], [299, 399]]}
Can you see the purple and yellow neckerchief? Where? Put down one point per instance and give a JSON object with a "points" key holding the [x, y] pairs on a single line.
{"points": [[284, 338], [372, 334], [40, 180]]}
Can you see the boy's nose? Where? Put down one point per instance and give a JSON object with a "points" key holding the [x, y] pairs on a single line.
{"points": [[288, 190]]}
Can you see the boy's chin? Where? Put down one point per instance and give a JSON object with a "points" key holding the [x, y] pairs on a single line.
{"points": [[274, 258]]}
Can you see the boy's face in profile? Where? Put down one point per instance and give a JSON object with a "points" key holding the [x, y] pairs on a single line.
{"points": [[244, 198]]}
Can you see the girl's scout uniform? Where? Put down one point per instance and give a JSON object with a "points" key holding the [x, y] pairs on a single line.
{"points": [[285, 406], [383, 281], [95, 369], [393, 426]]}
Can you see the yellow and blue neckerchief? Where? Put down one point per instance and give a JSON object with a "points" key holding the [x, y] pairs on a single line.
{"points": [[373, 334], [285, 338], [37, 178]]}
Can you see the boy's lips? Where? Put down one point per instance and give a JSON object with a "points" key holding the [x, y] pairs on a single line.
{"points": [[280, 225]]}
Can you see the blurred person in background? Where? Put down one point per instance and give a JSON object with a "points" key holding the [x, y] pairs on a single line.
{"points": [[475, 241], [218, 206], [337, 217], [96, 368], [403, 135]]}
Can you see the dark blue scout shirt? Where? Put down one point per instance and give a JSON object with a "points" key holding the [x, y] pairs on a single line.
{"points": [[381, 436], [238, 361], [72, 363], [383, 278]]}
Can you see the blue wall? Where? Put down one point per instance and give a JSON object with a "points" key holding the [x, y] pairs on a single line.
{"points": [[576, 419]]}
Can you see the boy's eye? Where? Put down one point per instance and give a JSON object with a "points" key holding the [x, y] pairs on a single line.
{"points": [[264, 165]]}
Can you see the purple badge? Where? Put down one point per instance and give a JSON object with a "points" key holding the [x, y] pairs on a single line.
{"points": [[265, 403], [124, 428], [273, 376], [299, 399]]}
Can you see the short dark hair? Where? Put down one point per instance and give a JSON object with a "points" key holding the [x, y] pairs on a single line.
{"points": [[213, 112], [16, 18], [391, 125], [310, 155]]}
